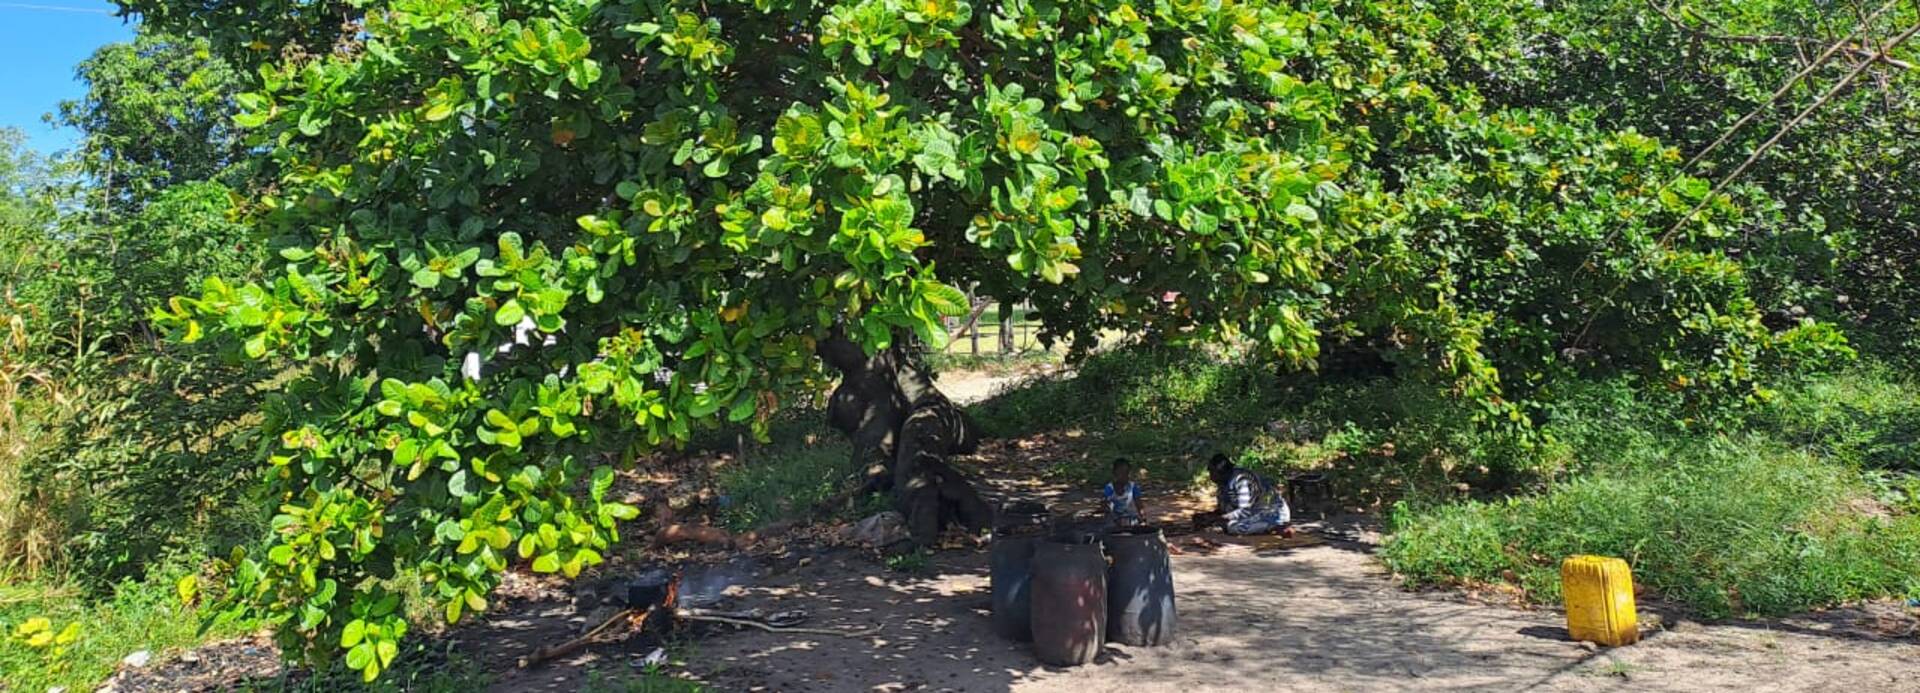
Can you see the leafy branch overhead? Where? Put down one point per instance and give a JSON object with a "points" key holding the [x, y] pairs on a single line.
{"points": [[515, 241]]}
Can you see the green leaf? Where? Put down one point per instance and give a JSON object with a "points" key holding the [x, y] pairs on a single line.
{"points": [[360, 656], [546, 563], [602, 482], [457, 485], [187, 587], [510, 313], [947, 300], [353, 633], [405, 452], [584, 73]]}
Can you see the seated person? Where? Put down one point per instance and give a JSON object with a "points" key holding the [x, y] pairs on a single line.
{"points": [[1247, 503], [1122, 495]]}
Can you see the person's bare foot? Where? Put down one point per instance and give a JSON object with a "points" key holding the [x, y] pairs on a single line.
{"points": [[1286, 532]]}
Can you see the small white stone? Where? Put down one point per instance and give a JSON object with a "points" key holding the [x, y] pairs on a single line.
{"points": [[138, 659]]}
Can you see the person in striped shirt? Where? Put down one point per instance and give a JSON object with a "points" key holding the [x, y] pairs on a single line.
{"points": [[1248, 504]]}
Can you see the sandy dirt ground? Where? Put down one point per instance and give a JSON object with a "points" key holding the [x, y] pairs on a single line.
{"points": [[1319, 615], [1314, 613]]}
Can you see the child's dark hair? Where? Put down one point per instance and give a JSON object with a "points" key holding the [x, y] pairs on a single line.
{"points": [[1220, 461], [1120, 463]]}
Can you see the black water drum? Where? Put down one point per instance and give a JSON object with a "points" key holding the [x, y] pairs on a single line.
{"points": [[1012, 582], [1069, 607], [1140, 608]]}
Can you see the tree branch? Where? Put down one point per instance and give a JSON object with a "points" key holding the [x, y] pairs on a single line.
{"points": [[1713, 33]]}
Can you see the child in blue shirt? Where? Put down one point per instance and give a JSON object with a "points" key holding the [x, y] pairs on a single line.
{"points": [[1122, 495]]}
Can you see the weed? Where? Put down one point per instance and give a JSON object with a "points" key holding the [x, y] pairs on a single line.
{"points": [[649, 680], [421, 668], [916, 562], [782, 482], [1868, 417]]}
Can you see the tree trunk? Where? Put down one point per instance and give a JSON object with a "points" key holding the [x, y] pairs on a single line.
{"points": [[902, 428]]}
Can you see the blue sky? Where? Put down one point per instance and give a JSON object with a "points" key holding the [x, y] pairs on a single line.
{"points": [[40, 43]]}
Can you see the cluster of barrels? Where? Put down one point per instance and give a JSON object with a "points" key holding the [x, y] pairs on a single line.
{"points": [[1070, 591]]}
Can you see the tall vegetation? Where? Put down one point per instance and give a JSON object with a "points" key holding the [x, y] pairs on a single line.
{"points": [[122, 447], [512, 242], [1689, 72]]}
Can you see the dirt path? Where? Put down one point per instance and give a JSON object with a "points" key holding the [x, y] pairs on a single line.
{"points": [[1317, 617], [968, 387], [1314, 613]]}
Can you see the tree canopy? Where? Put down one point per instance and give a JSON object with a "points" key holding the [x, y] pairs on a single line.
{"points": [[158, 111], [642, 216]]}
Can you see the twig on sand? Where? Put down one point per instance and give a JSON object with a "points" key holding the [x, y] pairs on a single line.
{"points": [[701, 616]]}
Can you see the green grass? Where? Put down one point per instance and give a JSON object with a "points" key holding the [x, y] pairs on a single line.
{"points": [[1804, 501], [1869, 418], [916, 562], [138, 615], [1169, 409], [1729, 526], [780, 482], [995, 364]]}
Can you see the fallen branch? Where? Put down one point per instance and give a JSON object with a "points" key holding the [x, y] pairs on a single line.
{"points": [[691, 615], [546, 654]]}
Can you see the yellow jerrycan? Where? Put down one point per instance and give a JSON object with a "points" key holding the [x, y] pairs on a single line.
{"points": [[1599, 597]]}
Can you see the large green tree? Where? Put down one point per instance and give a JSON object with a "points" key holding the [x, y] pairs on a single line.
{"points": [[158, 112], [520, 241]]}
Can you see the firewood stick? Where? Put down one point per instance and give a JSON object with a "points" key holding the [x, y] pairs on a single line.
{"points": [[545, 654]]}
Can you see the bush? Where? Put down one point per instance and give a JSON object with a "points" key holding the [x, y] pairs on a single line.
{"points": [[1730, 526], [1868, 418]]}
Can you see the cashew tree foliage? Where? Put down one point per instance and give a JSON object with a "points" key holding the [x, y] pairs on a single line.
{"points": [[519, 243]]}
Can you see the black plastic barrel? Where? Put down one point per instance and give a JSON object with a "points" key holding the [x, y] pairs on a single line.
{"points": [[1140, 608], [1069, 606], [1012, 582]]}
